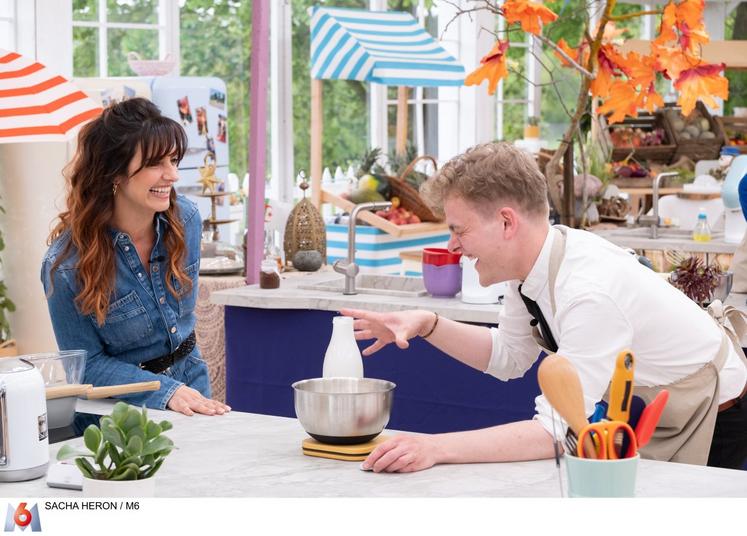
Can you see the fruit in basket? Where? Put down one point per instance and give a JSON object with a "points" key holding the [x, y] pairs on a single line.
{"points": [[360, 195], [398, 216], [636, 137], [368, 182], [629, 170]]}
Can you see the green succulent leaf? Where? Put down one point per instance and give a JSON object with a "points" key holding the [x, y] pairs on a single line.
{"points": [[158, 444], [152, 430], [129, 473], [85, 467], [153, 469], [119, 413], [165, 426], [68, 451], [114, 454], [113, 434], [134, 446], [92, 437], [132, 420]]}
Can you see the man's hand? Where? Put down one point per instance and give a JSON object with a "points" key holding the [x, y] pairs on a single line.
{"points": [[397, 327], [404, 454], [189, 401]]}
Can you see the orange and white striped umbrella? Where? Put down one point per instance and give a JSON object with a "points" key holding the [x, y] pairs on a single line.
{"points": [[37, 104]]}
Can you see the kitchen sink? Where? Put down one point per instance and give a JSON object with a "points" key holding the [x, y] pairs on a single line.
{"points": [[386, 285], [664, 232]]}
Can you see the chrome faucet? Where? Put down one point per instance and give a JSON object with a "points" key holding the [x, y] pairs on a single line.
{"points": [[348, 267], [654, 220]]}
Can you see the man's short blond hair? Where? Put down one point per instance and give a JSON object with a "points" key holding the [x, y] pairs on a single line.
{"points": [[488, 175]]}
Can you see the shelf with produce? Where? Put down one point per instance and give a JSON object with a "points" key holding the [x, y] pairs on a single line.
{"points": [[734, 131], [381, 223]]}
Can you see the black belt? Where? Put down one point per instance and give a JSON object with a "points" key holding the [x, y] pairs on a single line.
{"points": [[733, 402], [162, 363]]}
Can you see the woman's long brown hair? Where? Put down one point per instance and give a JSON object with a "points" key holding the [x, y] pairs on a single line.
{"points": [[106, 146]]}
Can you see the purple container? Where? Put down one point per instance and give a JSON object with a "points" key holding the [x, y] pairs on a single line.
{"points": [[442, 281]]}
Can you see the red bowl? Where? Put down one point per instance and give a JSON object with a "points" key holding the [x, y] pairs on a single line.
{"points": [[440, 256]]}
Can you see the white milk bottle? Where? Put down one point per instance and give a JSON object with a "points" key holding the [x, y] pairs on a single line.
{"points": [[343, 358]]}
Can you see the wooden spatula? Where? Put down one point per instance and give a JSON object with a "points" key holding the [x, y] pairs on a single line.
{"points": [[107, 391], [561, 386], [69, 389]]}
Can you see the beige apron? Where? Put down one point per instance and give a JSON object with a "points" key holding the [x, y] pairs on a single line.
{"points": [[685, 430]]}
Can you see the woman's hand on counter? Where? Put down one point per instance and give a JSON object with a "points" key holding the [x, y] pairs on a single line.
{"points": [[403, 454], [397, 327], [189, 401]]}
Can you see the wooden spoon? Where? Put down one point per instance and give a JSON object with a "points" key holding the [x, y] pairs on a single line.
{"points": [[69, 389], [107, 391], [561, 386]]}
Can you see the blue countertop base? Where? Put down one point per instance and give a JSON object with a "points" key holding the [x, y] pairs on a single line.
{"points": [[269, 349]]}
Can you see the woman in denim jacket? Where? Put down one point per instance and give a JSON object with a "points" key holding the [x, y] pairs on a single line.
{"points": [[121, 271]]}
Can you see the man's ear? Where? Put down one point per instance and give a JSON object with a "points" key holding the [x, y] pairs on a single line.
{"points": [[509, 219]]}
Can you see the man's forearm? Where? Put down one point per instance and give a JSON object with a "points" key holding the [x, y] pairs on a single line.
{"points": [[516, 441], [467, 343]]}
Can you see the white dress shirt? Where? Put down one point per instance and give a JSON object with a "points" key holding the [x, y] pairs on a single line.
{"points": [[606, 301]]}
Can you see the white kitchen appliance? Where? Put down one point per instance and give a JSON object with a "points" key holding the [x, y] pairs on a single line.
{"points": [[24, 446], [473, 291]]}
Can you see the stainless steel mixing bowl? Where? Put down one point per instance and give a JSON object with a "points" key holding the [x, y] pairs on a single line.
{"points": [[343, 411]]}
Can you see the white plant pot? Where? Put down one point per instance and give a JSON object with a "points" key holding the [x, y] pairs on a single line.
{"points": [[119, 488]]}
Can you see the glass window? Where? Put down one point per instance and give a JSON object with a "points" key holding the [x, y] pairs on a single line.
{"points": [[133, 11], [121, 41], [7, 25], [86, 10], [85, 52]]}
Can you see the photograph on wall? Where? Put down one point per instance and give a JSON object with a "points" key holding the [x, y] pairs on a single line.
{"points": [[202, 126], [184, 112], [222, 129], [210, 144], [217, 99]]}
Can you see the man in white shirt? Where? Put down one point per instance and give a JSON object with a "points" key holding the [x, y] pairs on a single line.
{"points": [[594, 299]]}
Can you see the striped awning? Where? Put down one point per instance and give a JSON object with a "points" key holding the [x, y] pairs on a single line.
{"points": [[37, 104], [387, 47]]}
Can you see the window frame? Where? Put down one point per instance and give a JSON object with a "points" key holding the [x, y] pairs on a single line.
{"points": [[167, 29]]}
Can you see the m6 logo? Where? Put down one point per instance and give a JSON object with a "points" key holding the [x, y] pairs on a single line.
{"points": [[22, 518]]}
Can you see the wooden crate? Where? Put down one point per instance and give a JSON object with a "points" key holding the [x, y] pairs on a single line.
{"points": [[699, 149], [661, 154], [733, 126]]}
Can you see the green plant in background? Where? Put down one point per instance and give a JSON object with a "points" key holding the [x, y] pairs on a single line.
{"points": [[125, 446], [6, 305]]}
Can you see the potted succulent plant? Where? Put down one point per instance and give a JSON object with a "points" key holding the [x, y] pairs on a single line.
{"points": [[7, 345], [125, 451]]}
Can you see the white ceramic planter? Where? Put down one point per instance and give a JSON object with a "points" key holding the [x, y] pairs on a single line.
{"points": [[119, 488]]}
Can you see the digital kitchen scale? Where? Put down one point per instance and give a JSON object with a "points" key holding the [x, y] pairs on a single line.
{"points": [[353, 453]]}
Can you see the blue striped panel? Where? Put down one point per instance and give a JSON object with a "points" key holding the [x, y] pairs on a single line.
{"points": [[374, 246], [416, 82], [383, 33], [418, 66], [358, 66], [400, 42], [360, 229], [332, 54], [372, 263]]}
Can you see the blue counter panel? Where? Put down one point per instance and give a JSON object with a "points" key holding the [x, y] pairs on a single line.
{"points": [[269, 349]]}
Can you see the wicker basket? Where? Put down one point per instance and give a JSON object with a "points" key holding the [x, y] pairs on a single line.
{"points": [[731, 126], [409, 196], [150, 67], [661, 154], [699, 149]]}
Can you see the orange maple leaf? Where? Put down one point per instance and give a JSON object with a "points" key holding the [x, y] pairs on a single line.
{"points": [[702, 82], [571, 52], [529, 14], [622, 101], [611, 65], [690, 12], [493, 67], [649, 99], [691, 39], [668, 25], [673, 61]]}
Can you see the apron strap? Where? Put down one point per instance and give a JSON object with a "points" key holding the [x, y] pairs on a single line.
{"points": [[556, 258]]}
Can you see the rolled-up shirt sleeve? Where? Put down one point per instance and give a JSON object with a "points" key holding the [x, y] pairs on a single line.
{"points": [[514, 349]]}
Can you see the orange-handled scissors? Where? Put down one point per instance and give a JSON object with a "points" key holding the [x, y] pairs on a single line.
{"points": [[607, 437]]}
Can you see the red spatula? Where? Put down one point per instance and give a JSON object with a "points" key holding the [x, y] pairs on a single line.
{"points": [[650, 418]]}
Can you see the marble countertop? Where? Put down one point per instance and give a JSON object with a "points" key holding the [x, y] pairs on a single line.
{"points": [[248, 455], [636, 238], [290, 296]]}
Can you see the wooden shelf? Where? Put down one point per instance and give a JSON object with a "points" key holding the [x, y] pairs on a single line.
{"points": [[379, 222], [216, 194]]}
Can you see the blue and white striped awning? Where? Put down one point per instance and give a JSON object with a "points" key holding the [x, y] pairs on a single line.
{"points": [[388, 47]]}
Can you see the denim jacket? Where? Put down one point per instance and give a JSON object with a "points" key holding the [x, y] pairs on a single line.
{"points": [[144, 320]]}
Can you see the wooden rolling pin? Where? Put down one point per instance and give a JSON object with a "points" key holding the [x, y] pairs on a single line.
{"points": [[70, 389], [107, 391]]}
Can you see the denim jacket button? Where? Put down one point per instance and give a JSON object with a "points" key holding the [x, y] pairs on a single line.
{"points": [[127, 248], [173, 329], [155, 267], [161, 300]]}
